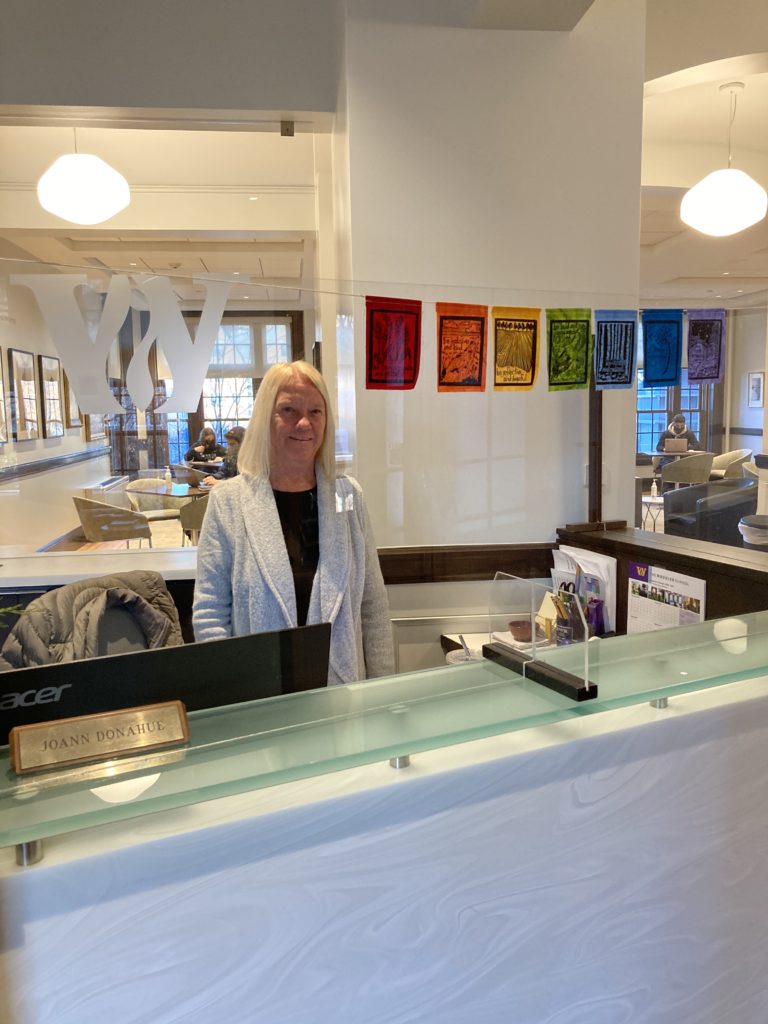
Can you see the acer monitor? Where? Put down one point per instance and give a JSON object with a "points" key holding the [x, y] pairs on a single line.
{"points": [[201, 675]]}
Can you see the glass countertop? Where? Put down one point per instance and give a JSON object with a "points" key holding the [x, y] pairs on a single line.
{"points": [[244, 747]]}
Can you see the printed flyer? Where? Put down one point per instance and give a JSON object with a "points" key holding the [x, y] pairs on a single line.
{"points": [[659, 599]]}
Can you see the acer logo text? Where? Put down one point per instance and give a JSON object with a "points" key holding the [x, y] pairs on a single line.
{"points": [[28, 698]]}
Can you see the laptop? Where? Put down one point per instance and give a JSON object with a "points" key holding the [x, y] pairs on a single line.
{"points": [[204, 675], [675, 445]]}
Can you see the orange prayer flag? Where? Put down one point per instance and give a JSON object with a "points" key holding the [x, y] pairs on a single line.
{"points": [[462, 342]]}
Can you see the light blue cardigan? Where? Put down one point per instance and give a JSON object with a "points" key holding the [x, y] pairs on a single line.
{"points": [[245, 584]]}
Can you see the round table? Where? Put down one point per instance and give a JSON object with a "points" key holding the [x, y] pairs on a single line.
{"points": [[652, 509]]}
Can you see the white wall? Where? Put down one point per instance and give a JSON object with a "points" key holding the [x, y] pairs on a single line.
{"points": [[36, 509], [22, 327], [748, 338], [484, 166], [497, 168]]}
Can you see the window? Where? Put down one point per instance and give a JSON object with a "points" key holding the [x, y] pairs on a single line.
{"points": [[277, 343], [233, 347], [244, 349], [178, 436], [246, 345], [227, 401], [657, 406]]}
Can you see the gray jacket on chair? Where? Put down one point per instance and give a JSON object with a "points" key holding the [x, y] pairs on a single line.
{"points": [[245, 584], [64, 624]]}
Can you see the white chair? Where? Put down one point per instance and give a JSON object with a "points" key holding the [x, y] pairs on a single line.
{"points": [[144, 498], [192, 519], [692, 469], [148, 496], [728, 465], [102, 522]]}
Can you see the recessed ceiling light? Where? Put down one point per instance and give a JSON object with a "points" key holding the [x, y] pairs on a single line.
{"points": [[133, 264], [246, 296], [236, 273], [252, 199], [726, 273], [740, 291]]}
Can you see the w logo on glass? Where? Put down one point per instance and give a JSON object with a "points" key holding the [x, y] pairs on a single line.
{"points": [[84, 351]]}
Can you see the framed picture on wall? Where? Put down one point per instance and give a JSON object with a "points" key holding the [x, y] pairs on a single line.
{"points": [[95, 427], [71, 409], [755, 387], [3, 420], [25, 423], [50, 385]]}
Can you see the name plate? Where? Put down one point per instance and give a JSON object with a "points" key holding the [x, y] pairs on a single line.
{"points": [[98, 737]]}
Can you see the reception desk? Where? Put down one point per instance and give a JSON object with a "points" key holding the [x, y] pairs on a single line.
{"points": [[537, 860]]}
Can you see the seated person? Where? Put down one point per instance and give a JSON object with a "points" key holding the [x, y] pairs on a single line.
{"points": [[206, 448], [677, 428], [228, 468]]}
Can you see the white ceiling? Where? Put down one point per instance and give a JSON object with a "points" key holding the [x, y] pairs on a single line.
{"points": [[685, 136], [265, 272], [246, 200], [217, 174]]}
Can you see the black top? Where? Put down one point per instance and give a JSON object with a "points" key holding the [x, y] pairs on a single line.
{"points": [[298, 518], [209, 452]]}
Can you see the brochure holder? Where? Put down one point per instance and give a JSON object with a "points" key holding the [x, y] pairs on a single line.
{"points": [[528, 623]]}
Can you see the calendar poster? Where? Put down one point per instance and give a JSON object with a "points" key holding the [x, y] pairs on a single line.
{"points": [[659, 599]]}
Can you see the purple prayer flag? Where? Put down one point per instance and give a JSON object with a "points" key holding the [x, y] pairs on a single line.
{"points": [[706, 345]]}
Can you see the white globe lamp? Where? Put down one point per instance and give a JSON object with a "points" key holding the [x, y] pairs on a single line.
{"points": [[83, 189], [726, 201]]}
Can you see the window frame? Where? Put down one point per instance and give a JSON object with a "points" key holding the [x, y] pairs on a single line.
{"points": [[700, 415]]}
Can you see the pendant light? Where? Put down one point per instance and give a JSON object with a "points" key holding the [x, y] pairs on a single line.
{"points": [[726, 201], [83, 189]]}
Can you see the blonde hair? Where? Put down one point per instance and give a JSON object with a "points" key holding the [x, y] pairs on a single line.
{"points": [[256, 450]]}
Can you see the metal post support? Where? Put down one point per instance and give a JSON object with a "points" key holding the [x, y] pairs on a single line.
{"points": [[29, 853]]}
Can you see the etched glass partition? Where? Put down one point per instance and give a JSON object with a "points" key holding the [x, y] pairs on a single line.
{"points": [[528, 620], [670, 661], [513, 605]]}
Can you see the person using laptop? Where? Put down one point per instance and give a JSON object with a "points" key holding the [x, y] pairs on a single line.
{"points": [[288, 541], [683, 439], [227, 468]]}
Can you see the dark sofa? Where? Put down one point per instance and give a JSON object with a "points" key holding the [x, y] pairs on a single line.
{"points": [[710, 511]]}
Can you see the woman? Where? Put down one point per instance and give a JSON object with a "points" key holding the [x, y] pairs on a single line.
{"points": [[287, 542], [206, 448]]}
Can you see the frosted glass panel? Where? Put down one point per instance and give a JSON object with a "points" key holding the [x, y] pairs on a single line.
{"points": [[250, 746]]}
